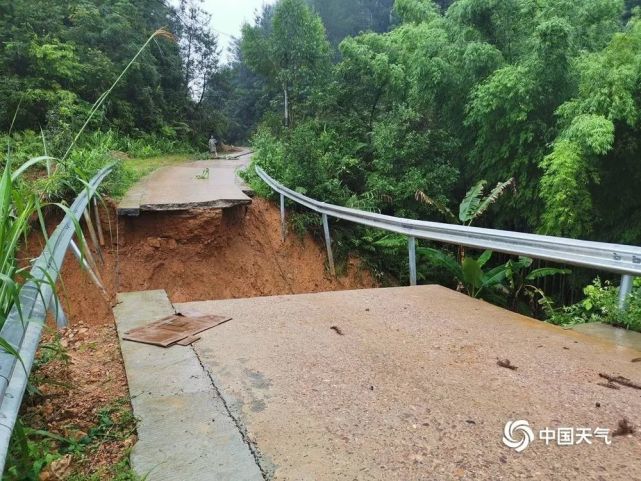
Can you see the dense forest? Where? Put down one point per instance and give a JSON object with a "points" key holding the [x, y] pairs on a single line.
{"points": [[399, 107], [59, 57], [542, 92]]}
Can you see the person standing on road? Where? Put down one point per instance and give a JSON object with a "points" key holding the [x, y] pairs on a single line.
{"points": [[212, 147]]}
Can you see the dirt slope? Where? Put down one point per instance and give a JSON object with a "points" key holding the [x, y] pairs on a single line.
{"points": [[201, 255]]}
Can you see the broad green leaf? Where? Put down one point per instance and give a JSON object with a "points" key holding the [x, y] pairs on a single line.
{"points": [[546, 271], [485, 257], [36, 160], [492, 197], [441, 259], [471, 202], [472, 273], [496, 275]]}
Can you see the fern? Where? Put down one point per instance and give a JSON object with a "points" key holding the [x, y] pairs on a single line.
{"points": [[440, 258], [391, 241]]}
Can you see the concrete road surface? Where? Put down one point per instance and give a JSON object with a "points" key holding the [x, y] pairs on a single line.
{"points": [[403, 384], [208, 183], [184, 429]]}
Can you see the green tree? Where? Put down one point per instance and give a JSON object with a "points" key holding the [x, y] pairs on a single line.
{"points": [[58, 57], [199, 47], [292, 54], [346, 19], [591, 176]]}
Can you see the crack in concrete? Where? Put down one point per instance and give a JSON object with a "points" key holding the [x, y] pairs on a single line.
{"points": [[265, 472]]}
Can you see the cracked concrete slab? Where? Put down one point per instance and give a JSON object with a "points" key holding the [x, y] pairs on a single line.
{"points": [[411, 390], [185, 431]]}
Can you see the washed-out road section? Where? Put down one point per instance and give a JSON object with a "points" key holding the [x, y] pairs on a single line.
{"points": [[385, 384]]}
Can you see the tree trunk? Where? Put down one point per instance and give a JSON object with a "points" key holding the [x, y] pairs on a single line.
{"points": [[188, 61], [286, 93], [202, 92]]}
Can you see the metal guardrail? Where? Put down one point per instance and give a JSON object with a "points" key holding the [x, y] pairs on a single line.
{"points": [[23, 326], [621, 259]]}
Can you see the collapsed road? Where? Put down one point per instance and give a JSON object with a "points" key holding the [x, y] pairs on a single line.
{"points": [[401, 383]]}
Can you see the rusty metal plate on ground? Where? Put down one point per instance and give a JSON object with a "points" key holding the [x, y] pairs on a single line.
{"points": [[173, 329]]}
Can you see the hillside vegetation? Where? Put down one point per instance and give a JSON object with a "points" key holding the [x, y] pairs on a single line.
{"points": [[406, 120], [511, 114]]}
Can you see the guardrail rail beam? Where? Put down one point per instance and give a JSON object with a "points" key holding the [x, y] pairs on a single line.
{"points": [[22, 328], [618, 258]]}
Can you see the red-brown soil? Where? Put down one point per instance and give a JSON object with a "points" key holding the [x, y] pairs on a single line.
{"points": [[203, 255]]}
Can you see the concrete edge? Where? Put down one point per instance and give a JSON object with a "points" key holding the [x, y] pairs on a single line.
{"points": [[166, 448]]}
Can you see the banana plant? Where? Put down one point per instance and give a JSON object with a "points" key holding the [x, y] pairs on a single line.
{"points": [[470, 273], [522, 294], [510, 284], [473, 205]]}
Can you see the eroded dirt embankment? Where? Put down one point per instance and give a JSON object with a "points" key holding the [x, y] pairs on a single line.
{"points": [[197, 255], [206, 255], [202, 255]]}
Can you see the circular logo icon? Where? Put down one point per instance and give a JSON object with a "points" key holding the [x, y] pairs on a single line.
{"points": [[518, 435]]}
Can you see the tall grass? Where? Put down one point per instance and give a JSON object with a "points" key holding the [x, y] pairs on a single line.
{"points": [[17, 210]]}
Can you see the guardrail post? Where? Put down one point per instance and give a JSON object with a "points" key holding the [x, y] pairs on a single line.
{"points": [[92, 233], [55, 307], [283, 223], [328, 243], [35, 299], [624, 290], [411, 247], [96, 211], [597, 255]]}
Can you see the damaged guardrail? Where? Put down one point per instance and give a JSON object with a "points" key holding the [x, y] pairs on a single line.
{"points": [[617, 258], [23, 326]]}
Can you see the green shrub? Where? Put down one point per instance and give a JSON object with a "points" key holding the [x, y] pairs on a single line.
{"points": [[302, 223], [94, 151], [601, 304], [269, 154], [152, 145]]}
